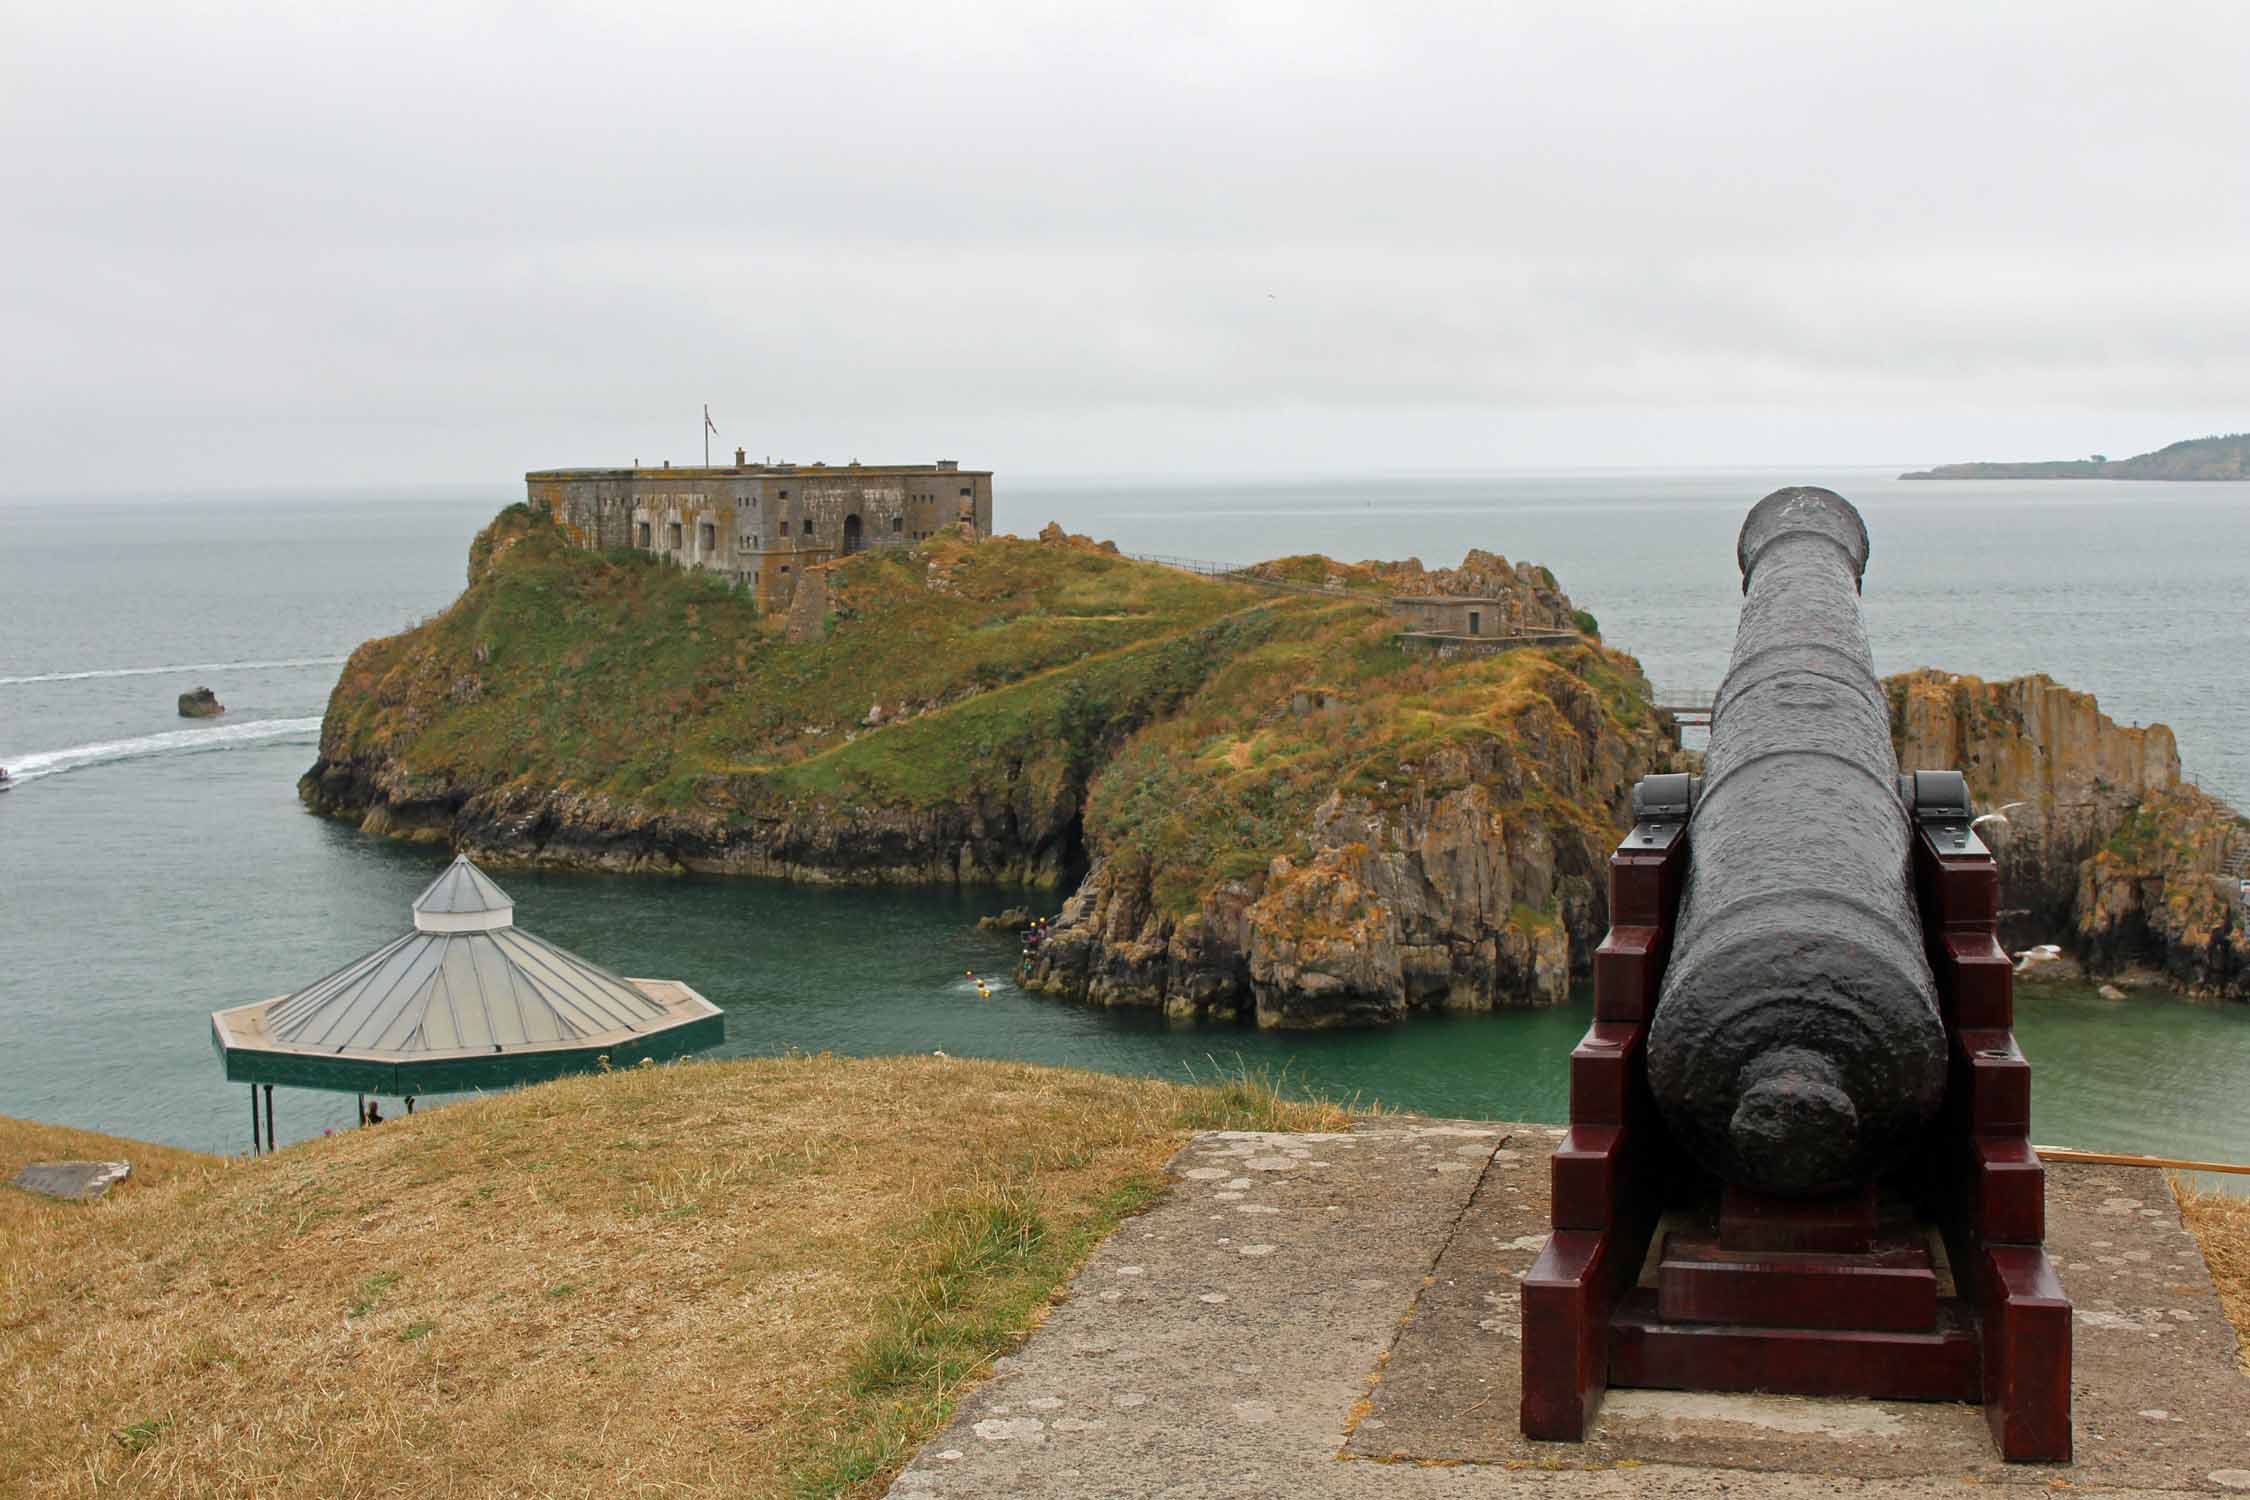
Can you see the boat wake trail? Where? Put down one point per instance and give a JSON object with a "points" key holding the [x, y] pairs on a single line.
{"points": [[201, 666], [32, 766]]}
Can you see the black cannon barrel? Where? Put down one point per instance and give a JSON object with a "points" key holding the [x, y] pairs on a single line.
{"points": [[1796, 1047]]}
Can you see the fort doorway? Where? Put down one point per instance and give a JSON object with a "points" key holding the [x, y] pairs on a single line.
{"points": [[854, 539]]}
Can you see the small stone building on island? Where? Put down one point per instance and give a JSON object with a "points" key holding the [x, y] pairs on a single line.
{"points": [[761, 525]]}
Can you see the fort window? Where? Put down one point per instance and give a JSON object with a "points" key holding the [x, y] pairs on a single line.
{"points": [[750, 539], [898, 523], [808, 526], [966, 492], [644, 533], [784, 494], [854, 539], [707, 535], [1474, 619], [672, 534]]}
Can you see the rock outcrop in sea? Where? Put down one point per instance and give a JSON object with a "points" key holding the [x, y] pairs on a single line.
{"points": [[200, 703], [2111, 853], [1473, 882], [1463, 869], [1277, 808]]}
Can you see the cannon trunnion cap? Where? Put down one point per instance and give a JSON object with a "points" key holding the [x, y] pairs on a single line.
{"points": [[1664, 798]]}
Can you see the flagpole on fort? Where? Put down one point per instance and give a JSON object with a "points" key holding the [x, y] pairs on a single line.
{"points": [[708, 429]]}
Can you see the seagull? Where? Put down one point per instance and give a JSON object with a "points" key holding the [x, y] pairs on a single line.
{"points": [[2031, 958], [2000, 817]]}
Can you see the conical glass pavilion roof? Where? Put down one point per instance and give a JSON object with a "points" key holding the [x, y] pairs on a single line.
{"points": [[465, 1000]]}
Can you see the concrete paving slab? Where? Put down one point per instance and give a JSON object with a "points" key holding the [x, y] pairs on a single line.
{"points": [[1335, 1315], [81, 1181], [2158, 1398]]}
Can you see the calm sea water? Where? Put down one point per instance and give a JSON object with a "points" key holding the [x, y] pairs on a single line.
{"points": [[152, 869]]}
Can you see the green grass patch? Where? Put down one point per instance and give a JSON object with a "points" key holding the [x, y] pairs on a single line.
{"points": [[990, 1262], [141, 1435], [370, 1293], [1260, 1098]]}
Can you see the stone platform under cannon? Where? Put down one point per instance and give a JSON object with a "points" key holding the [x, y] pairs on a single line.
{"points": [[1344, 1324], [1934, 1285]]}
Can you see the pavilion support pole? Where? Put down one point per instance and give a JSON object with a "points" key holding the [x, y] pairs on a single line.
{"points": [[254, 1145], [269, 1117]]}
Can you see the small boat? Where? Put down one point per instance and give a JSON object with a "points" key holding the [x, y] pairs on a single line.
{"points": [[6, 780]]}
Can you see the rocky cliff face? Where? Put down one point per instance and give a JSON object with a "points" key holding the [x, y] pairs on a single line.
{"points": [[2077, 773], [2104, 847], [2162, 893], [1025, 833], [1473, 878]]}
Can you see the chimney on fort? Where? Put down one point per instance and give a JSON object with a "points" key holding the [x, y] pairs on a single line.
{"points": [[738, 463]]}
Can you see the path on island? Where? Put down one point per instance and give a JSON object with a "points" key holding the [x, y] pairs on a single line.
{"points": [[1336, 1316], [988, 696]]}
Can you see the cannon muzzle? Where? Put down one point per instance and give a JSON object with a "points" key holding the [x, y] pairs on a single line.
{"points": [[1796, 1046]]}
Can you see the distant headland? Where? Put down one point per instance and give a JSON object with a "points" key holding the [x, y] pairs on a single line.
{"points": [[2223, 457]]}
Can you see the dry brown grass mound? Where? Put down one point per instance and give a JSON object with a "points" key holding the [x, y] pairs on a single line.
{"points": [[744, 1278], [2220, 1222]]}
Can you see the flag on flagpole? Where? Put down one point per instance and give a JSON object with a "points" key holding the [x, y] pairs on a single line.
{"points": [[707, 427]]}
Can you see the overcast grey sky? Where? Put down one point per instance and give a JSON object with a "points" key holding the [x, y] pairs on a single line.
{"points": [[246, 245]]}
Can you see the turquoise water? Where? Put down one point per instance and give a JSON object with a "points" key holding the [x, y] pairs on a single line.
{"points": [[153, 870]]}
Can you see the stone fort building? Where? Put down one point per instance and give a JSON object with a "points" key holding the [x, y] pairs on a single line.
{"points": [[761, 525]]}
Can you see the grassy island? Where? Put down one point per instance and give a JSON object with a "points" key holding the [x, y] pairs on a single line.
{"points": [[1259, 768]]}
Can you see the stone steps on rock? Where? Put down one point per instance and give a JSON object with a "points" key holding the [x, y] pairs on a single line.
{"points": [[2236, 861]]}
